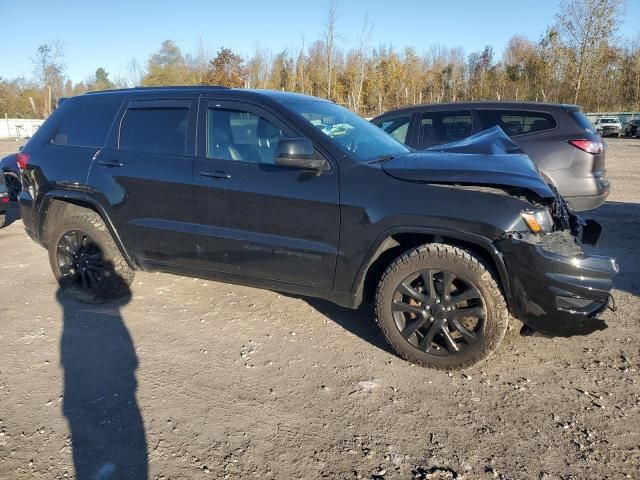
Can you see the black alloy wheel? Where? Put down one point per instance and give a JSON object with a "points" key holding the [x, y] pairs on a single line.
{"points": [[80, 261], [438, 312]]}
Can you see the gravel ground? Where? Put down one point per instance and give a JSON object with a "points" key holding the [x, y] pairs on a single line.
{"points": [[192, 379]]}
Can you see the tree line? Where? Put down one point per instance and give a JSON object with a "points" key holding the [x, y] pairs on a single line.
{"points": [[579, 59]]}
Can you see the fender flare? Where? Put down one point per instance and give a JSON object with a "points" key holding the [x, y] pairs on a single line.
{"points": [[383, 243], [78, 198]]}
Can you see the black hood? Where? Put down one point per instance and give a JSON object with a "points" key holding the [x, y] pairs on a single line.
{"points": [[488, 158]]}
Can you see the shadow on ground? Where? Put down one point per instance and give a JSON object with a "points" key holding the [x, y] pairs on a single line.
{"points": [[360, 322], [99, 363]]}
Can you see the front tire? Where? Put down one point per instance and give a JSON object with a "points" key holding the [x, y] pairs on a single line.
{"points": [[86, 261], [438, 306]]}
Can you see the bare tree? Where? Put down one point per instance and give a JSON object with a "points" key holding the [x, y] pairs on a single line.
{"points": [[585, 27], [134, 73], [329, 38], [362, 50], [198, 63], [48, 70]]}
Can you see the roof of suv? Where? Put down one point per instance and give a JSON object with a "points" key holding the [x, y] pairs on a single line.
{"points": [[485, 104], [276, 95]]}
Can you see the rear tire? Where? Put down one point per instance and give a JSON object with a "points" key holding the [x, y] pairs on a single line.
{"points": [[86, 261], [439, 306]]}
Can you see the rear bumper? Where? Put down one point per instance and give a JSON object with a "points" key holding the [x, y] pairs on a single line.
{"points": [[29, 215], [557, 293], [608, 131], [589, 202]]}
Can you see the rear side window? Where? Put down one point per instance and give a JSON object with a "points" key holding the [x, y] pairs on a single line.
{"points": [[444, 127], [517, 122], [86, 124], [397, 127], [155, 130]]}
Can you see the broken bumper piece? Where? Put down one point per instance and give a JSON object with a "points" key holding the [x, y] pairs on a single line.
{"points": [[556, 287]]}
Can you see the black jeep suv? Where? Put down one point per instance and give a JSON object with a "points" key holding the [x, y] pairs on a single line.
{"points": [[298, 194]]}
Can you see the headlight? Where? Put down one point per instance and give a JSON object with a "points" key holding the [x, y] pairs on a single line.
{"points": [[539, 220]]}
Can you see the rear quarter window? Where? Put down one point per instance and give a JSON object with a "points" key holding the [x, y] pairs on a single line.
{"points": [[86, 124], [582, 120], [517, 122]]}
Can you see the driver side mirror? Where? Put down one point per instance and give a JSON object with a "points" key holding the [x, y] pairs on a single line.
{"points": [[299, 153]]}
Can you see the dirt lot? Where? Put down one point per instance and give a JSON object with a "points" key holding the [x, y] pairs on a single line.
{"points": [[194, 379]]}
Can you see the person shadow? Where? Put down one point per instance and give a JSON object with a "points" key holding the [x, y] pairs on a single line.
{"points": [[99, 402]]}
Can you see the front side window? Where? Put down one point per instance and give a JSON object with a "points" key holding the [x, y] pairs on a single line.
{"points": [[161, 130], [444, 127], [397, 127], [86, 124], [241, 135], [349, 131], [517, 122]]}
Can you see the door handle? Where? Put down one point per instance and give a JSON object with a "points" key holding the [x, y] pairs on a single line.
{"points": [[110, 163], [216, 174]]}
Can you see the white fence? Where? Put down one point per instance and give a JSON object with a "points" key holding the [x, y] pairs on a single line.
{"points": [[18, 127]]}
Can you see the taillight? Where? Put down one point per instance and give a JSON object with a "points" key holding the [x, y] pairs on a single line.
{"points": [[23, 160], [588, 146]]}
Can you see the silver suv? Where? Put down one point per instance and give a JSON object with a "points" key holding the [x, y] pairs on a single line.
{"points": [[558, 138]]}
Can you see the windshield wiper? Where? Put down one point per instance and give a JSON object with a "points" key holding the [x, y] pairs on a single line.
{"points": [[382, 159]]}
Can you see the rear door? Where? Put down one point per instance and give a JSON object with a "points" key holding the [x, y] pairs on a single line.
{"points": [[444, 126], [255, 218], [536, 132], [145, 174]]}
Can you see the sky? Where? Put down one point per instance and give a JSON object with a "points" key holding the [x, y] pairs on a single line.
{"points": [[109, 34]]}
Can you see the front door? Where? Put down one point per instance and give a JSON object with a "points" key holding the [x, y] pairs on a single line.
{"points": [[255, 218]]}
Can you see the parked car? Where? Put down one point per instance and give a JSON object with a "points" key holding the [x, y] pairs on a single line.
{"points": [[558, 138], [297, 194], [4, 203], [633, 128], [608, 126], [11, 175]]}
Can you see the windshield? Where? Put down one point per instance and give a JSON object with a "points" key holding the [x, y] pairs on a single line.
{"points": [[608, 120], [351, 132]]}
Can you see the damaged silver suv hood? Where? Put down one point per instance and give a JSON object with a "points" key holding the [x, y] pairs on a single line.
{"points": [[488, 158]]}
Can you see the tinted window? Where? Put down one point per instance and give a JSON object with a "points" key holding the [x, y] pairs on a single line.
{"points": [[241, 135], [396, 127], [517, 122], [444, 127], [155, 130], [86, 124]]}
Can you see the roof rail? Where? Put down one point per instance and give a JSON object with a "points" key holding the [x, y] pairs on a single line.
{"points": [[165, 87]]}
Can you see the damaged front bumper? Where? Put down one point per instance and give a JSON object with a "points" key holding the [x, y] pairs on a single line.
{"points": [[556, 287]]}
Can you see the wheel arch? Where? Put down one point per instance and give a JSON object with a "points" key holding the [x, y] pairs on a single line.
{"points": [[396, 241], [57, 204]]}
